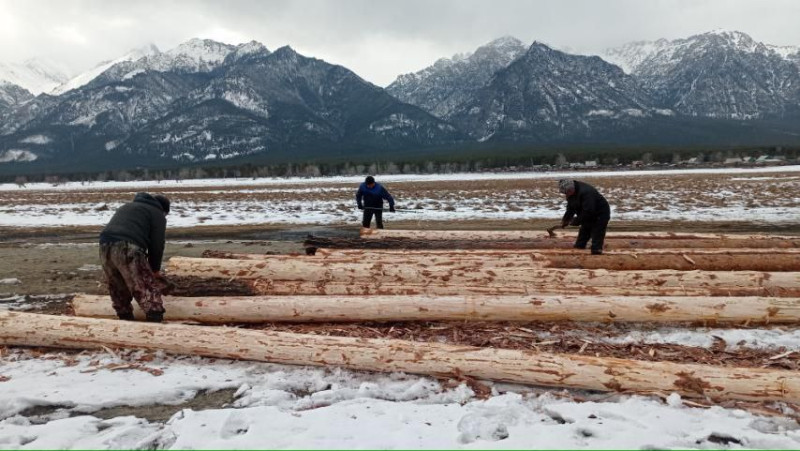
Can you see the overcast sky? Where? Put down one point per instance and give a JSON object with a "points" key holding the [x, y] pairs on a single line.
{"points": [[378, 39]]}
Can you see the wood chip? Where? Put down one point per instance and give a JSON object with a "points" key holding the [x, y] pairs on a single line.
{"points": [[780, 356]]}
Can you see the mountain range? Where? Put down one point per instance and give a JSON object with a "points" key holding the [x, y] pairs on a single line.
{"points": [[206, 101]]}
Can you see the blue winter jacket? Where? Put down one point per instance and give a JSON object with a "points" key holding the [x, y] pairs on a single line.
{"points": [[373, 197]]}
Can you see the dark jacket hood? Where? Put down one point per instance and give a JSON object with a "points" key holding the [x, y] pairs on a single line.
{"points": [[147, 198]]}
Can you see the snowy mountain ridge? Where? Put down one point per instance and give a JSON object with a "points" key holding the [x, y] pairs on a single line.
{"points": [[449, 82], [86, 77], [34, 75]]}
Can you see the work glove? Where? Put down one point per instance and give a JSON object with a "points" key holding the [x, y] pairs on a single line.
{"points": [[391, 209], [360, 207]]}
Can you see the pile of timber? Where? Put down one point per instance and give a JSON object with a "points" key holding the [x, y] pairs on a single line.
{"points": [[648, 277]]}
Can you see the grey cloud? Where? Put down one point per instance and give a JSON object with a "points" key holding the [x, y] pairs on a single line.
{"points": [[377, 39]]}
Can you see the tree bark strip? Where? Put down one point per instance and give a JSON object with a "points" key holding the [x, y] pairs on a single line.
{"points": [[516, 366], [265, 309]]}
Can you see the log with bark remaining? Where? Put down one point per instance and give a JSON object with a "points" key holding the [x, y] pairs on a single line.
{"points": [[474, 274], [265, 309], [514, 235], [312, 243], [517, 366], [729, 260]]}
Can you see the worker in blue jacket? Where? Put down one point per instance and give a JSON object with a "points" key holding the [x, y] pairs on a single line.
{"points": [[370, 197]]}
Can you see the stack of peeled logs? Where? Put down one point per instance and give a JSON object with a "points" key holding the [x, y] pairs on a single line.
{"points": [[404, 275]]}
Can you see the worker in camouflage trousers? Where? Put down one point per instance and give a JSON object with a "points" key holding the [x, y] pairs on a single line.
{"points": [[586, 208], [131, 248], [370, 197]]}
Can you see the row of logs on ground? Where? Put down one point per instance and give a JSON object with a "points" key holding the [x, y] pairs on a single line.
{"points": [[463, 276]]}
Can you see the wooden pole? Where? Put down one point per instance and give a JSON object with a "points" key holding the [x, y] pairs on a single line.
{"points": [[516, 366], [265, 309], [475, 274]]}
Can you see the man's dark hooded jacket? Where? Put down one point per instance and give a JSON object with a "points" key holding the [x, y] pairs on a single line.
{"points": [[586, 205], [141, 222]]}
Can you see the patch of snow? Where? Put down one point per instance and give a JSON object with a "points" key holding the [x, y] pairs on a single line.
{"points": [[37, 139], [635, 112], [17, 156], [10, 281], [133, 73], [297, 407], [604, 113]]}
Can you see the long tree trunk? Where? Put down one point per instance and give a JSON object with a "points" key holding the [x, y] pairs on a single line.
{"points": [[312, 243], [475, 274], [517, 366], [264, 309], [751, 260], [511, 235]]}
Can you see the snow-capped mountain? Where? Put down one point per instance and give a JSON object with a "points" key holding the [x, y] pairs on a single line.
{"points": [[193, 56], [546, 94], [12, 95], [35, 75], [86, 77], [252, 102], [719, 74], [450, 82]]}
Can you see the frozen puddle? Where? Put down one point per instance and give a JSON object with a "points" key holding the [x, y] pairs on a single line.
{"points": [[280, 406]]}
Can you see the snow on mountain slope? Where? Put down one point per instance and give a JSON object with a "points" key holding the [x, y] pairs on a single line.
{"points": [[450, 82], [719, 74], [35, 75], [12, 95], [91, 74]]}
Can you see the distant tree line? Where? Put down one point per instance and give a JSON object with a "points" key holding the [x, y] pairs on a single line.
{"points": [[501, 159]]}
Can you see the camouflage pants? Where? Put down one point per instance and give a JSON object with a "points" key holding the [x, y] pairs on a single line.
{"points": [[129, 276]]}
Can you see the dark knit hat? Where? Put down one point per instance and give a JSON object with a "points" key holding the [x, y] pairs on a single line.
{"points": [[164, 201], [370, 180]]}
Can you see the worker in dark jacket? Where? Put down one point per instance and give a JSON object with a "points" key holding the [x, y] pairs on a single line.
{"points": [[370, 197], [588, 209], [131, 247]]}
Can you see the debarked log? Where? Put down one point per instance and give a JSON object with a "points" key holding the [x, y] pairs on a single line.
{"points": [[265, 309], [731, 260], [516, 366], [474, 274], [511, 235]]}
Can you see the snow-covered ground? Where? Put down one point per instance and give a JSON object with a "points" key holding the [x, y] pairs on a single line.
{"points": [[301, 407], [767, 195], [315, 181]]}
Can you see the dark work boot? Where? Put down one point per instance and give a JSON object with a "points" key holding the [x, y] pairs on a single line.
{"points": [[126, 316], [155, 317], [597, 252]]}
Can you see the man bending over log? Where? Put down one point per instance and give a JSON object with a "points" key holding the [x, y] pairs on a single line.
{"points": [[586, 208], [131, 247], [369, 197]]}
